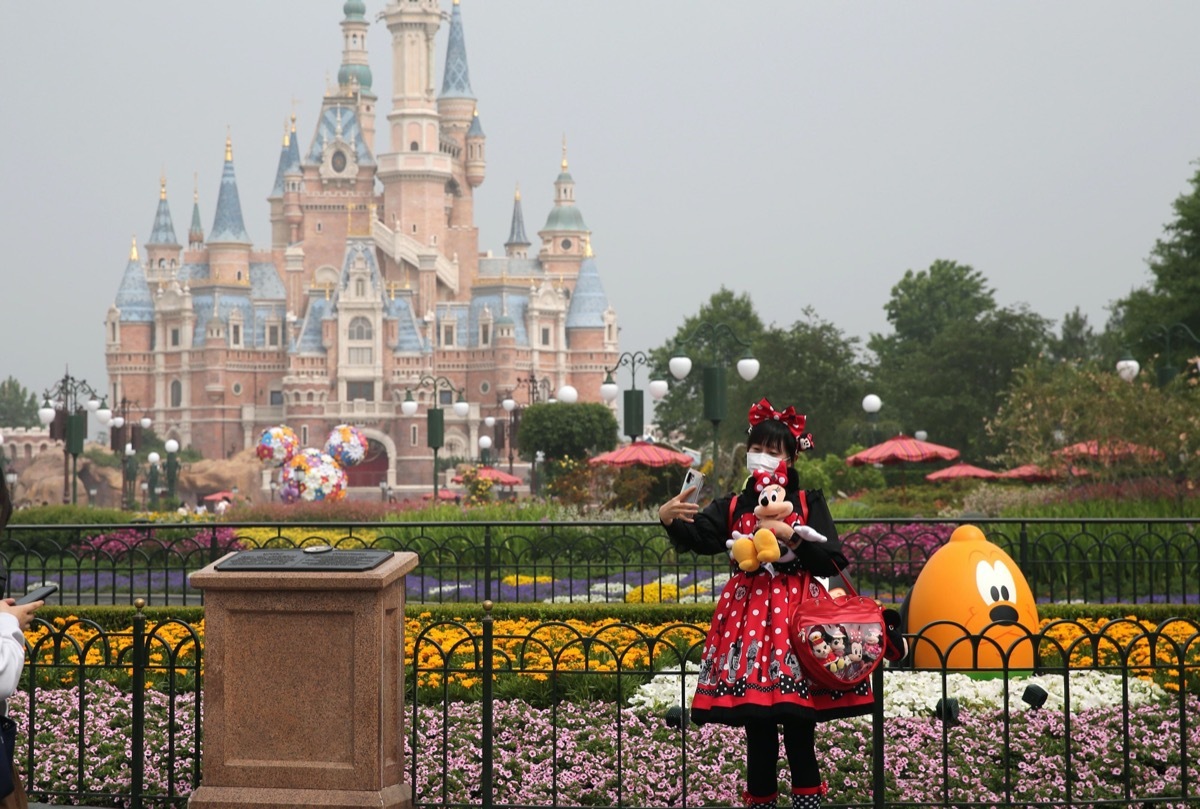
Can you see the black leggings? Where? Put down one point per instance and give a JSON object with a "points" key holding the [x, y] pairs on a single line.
{"points": [[762, 755]]}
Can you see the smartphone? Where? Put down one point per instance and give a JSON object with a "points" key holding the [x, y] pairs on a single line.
{"points": [[40, 594], [693, 478]]}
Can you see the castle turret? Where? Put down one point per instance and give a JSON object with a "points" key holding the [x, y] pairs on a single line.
{"points": [[286, 188], [565, 234], [162, 247], [456, 102], [228, 243], [476, 152], [196, 231], [517, 245], [354, 76]]}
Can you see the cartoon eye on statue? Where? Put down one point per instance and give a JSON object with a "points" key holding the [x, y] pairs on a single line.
{"points": [[973, 583]]}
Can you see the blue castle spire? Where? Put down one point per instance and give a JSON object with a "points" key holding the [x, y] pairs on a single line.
{"points": [[457, 81], [227, 224], [163, 232]]}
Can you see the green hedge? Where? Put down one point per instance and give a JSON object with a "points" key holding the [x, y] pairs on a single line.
{"points": [[120, 617]]}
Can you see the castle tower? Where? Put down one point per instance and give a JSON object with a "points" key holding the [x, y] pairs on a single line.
{"points": [[517, 245], [196, 231], [418, 175], [564, 238], [354, 76], [129, 332], [162, 247], [228, 243]]}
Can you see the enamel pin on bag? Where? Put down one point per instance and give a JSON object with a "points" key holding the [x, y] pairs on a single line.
{"points": [[839, 640]]}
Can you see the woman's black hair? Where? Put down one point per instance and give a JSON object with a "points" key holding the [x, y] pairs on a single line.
{"points": [[771, 433]]}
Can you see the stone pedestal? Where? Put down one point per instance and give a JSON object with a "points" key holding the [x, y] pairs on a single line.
{"points": [[304, 688]]}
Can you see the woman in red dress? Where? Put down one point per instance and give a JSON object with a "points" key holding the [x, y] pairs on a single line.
{"points": [[750, 675]]}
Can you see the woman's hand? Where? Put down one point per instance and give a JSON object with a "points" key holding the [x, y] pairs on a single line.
{"points": [[22, 612], [678, 508]]}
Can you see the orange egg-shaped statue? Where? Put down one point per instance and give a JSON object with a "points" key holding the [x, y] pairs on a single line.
{"points": [[972, 585]]}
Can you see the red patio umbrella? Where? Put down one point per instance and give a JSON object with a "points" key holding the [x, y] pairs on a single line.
{"points": [[642, 453], [962, 470], [1109, 451], [443, 494], [1032, 473], [497, 476], [902, 449]]}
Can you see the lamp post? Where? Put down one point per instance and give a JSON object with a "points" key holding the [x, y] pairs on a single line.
{"points": [[126, 436], [634, 401], [1127, 366], [172, 447], [1167, 370], [152, 478], [871, 405], [64, 411], [722, 342], [129, 469], [485, 445], [434, 417], [538, 457], [536, 388]]}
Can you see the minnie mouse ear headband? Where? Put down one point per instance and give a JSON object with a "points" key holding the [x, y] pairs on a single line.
{"points": [[762, 411]]}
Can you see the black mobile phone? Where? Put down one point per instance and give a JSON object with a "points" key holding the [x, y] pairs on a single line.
{"points": [[40, 594]]}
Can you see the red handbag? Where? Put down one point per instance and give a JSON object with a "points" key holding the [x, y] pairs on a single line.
{"points": [[839, 640]]}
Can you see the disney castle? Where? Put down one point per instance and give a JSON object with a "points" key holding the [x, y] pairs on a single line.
{"points": [[373, 288]]}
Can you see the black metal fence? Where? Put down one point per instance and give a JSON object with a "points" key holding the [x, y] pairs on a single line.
{"points": [[557, 714], [1097, 560]]}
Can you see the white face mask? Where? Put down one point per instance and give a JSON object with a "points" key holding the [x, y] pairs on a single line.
{"points": [[761, 462]]}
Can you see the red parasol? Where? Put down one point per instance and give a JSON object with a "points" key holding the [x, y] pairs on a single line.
{"points": [[493, 474], [642, 453], [962, 470], [902, 449], [443, 494], [1109, 452], [1032, 473]]}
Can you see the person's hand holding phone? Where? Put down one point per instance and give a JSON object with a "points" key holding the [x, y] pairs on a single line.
{"points": [[24, 613], [684, 505]]}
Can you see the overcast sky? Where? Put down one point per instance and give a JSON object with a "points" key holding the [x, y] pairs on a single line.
{"points": [[803, 153]]}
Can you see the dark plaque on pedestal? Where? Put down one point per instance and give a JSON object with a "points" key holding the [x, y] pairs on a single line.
{"points": [[316, 559]]}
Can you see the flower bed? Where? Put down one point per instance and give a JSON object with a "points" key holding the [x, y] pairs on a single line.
{"points": [[569, 754]]}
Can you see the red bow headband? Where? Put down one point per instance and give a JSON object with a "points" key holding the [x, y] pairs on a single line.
{"points": [[763, 412]]}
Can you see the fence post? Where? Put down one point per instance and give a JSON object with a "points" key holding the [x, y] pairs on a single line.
{"points": [[877, 775], [485, 743], [137, 744], [487, 562], [1023, 547], [214, 548]]}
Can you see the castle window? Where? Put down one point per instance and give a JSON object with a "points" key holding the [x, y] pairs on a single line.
{"points": [[236, 334], [176, 393], [273, 338], [114, 332], [545, 335], [304, 434], [360, 288], [360, 390], [414, 147], [318, 227], [360, 355], [412, 434], [153, 337], [174, 338], [485, 334], [448, 334], [276, 397], [360, 329]]}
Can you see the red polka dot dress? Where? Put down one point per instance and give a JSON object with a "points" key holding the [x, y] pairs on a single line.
{"points": [[748, 668]]}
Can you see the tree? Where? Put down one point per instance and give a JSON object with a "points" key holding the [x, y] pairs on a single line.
{"points": [[564, 431], [952, 355], [1174, 293], [1076, 341], [682, 410], [18, 406], [1052, 405]]}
